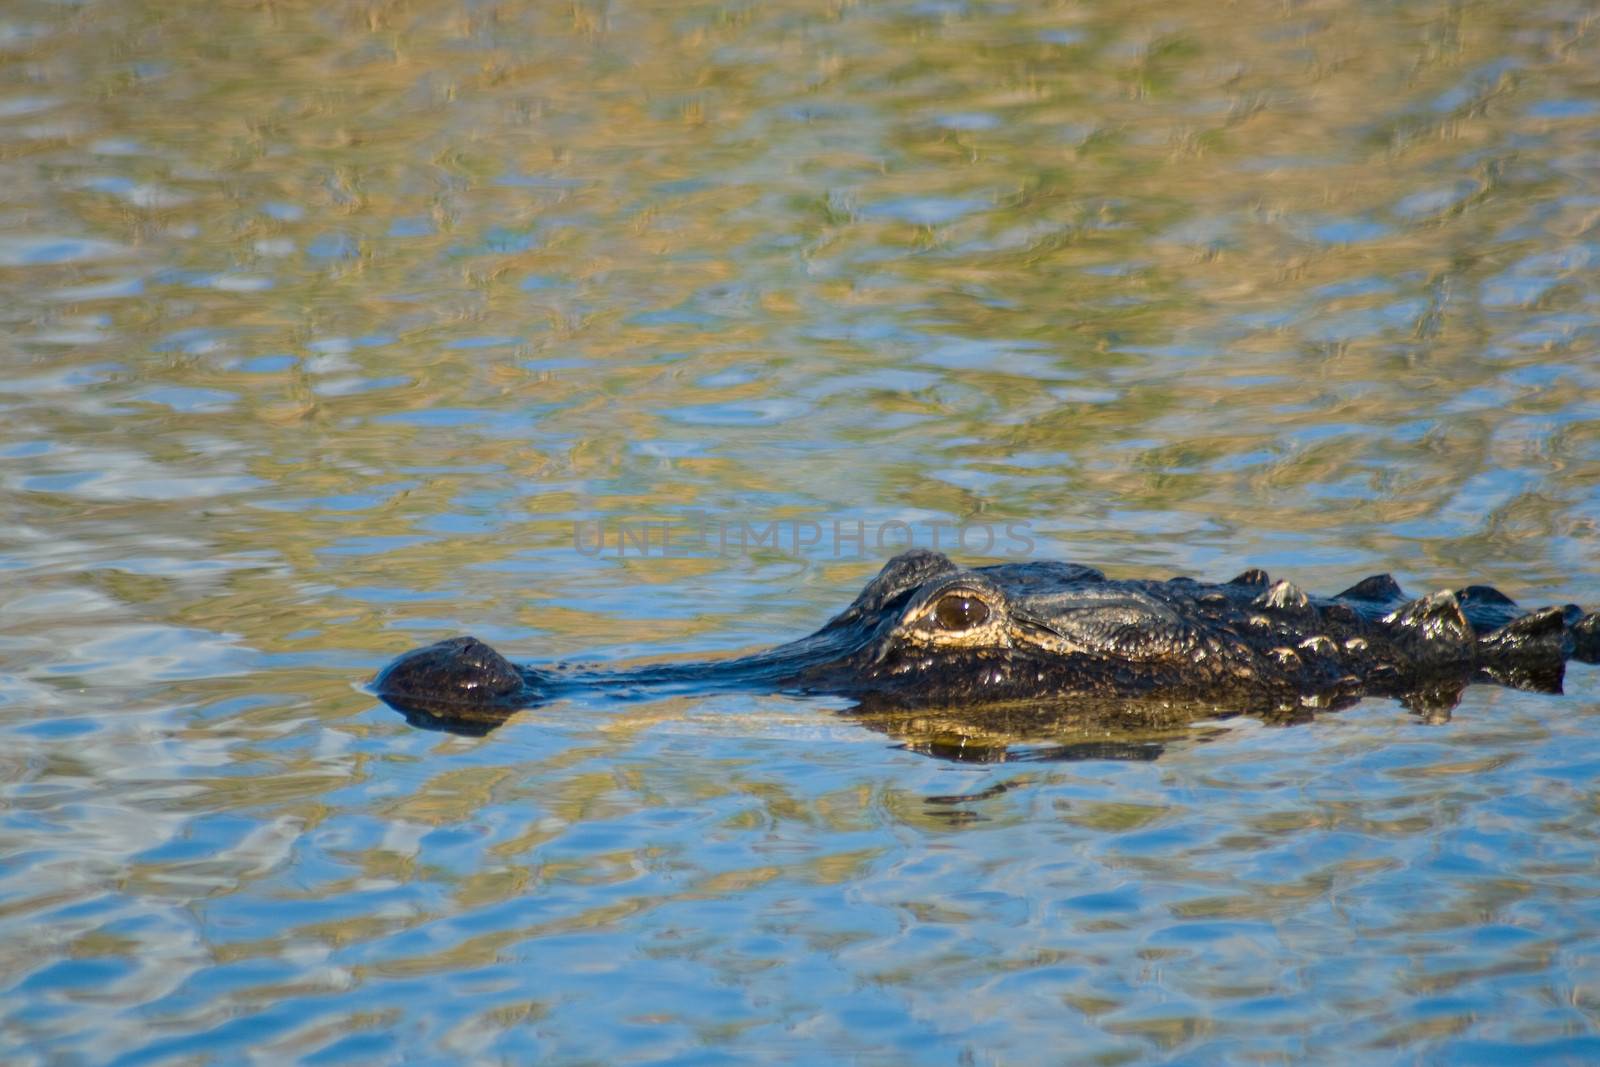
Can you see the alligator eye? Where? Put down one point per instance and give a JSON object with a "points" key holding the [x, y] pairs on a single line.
{"points": [[960, 611]]}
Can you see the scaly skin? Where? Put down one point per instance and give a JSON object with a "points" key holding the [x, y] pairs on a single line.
{"points": [[926, 633]]}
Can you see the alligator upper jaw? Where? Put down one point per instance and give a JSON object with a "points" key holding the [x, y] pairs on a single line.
{"points": [[464, 680]]}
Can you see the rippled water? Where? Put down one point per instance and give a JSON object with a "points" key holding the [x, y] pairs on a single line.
{"points": [[325, 324]]}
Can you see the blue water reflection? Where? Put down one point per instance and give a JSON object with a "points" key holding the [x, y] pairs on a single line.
{"points": [[331, 332]]}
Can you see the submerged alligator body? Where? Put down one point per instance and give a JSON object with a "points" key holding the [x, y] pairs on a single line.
{"points": [[926, 633]]}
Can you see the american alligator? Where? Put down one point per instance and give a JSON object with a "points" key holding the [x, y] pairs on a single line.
{"points": [[926, 633]]}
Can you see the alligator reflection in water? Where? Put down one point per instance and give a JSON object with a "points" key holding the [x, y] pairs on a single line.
{"points": [[1061, 650], [1127, 730]]}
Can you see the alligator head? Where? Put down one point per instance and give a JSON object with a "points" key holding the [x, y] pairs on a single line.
{"points": [[927, 632]]}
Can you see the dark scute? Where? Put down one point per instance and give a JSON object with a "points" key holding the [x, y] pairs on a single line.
{"points": [[1487, 607], [1541, 623], [1539, 636], [459, 672], [1379, 587], [1485, 594], [1285, 596], [1255, 577], [1433, 630], [1586, 638]]}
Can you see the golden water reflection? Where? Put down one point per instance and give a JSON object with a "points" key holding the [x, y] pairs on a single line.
{"points": [[324, 324]]}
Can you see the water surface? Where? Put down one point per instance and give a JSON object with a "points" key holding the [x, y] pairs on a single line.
{"points": [[325, 324]]}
